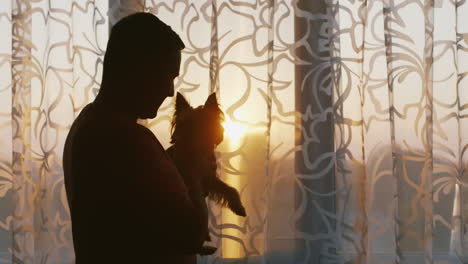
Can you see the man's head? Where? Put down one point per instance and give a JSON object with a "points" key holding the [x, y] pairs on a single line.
{"points": [[141, 62]]}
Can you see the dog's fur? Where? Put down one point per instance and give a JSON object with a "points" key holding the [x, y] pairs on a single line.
{"points": [[195, 134]]}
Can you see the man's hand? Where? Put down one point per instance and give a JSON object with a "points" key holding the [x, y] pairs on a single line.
{"points": [[208, 171], [207, 250]]}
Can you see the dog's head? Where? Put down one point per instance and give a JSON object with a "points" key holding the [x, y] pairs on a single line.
{"points": [[197, 127]]}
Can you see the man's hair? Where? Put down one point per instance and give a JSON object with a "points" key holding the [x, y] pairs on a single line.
{"points": [[135, 42]]}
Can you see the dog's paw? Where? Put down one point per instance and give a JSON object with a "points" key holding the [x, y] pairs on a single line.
{"points": [[239, 210]]}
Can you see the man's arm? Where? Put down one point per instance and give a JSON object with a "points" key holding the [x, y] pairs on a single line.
{"points": [[180, 212]]}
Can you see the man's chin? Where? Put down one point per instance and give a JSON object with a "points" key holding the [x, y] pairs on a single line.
{"points": [[148, 115]]}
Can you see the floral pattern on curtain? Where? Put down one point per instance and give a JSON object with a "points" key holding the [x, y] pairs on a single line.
{"points": [[50, 67], [346, 126]]}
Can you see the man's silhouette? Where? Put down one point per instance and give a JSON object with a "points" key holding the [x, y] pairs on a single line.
{"points": [[128, 203]]}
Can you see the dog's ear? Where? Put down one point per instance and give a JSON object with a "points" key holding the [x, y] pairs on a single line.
{"points": [[212, 101], [181, 104]]}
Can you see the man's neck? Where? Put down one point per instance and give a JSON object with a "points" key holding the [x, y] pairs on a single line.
{"points": [[114, 111]]}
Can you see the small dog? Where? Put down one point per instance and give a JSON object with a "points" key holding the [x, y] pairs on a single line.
{"points": [[195, 134]]}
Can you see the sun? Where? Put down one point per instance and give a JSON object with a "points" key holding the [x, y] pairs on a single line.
{"points": [[233, 130]]}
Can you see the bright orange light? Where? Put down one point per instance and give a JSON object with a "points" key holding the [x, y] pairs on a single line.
{"points": [[234, 131], [233, 134]]}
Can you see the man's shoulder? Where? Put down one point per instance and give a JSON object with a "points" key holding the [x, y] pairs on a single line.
{"points": [[147, 141], [92, 122], [144, 132], [95, 133]]}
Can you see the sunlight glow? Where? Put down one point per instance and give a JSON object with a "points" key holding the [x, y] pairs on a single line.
{"points": [[234, 131]]}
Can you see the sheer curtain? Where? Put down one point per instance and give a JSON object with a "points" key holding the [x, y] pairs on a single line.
{"points": [[346, 127], [50, 66]]}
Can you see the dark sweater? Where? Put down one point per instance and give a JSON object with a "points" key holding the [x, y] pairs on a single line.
{"points": [[128, 203]]}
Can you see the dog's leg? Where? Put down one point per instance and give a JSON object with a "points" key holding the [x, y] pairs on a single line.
{"points": [[225, 194]]}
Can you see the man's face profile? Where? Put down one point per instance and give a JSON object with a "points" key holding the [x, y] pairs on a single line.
{"points": [[158, 84]]}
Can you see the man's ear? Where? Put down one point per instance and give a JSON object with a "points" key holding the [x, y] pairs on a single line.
{"points": [[212, 101], [181, 104]]}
